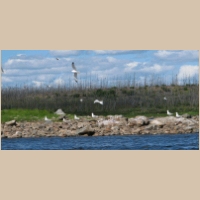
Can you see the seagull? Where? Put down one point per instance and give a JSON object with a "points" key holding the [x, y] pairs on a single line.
{"points": [[57, 58], [2, 70], [94, 115], [64, 120], [97, 101], [168, 113], [165, 98], [75, 72], [81, 100], [75, 117], [177, 115], [46, 119]]}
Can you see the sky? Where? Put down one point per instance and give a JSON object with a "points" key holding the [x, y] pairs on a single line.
{"points": [[41, 68]]}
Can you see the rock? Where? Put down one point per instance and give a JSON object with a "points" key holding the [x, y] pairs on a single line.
{"points": [[186, 115], [15, 135], [157, 123], [85, 130], [138, 121], [4, 136], [144, 119], [188, 129], [60, 112], [61, 116], [11, 123]]}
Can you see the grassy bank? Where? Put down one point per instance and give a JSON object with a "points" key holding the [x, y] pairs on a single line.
{"points": [[22, 115], [126, 98]]}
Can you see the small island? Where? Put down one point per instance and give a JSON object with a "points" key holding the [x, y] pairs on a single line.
{"points": [[101, 126]]}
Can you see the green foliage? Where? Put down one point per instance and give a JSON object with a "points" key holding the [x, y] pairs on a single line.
{"points": [[76, 95], [100, 93], [147, 100], [25, 114]]}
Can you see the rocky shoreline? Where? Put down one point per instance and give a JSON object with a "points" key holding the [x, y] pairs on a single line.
{"points": [[101, 126]]}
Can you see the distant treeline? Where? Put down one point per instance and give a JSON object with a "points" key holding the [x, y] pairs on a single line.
{"points": [[123, 97]]}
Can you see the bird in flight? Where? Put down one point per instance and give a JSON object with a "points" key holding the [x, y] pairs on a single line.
{"points": [[97, 101], [57, 58], [75, 72], [2, 70]]}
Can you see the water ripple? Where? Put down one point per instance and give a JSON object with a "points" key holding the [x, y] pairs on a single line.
{"points": [[188, 141]]}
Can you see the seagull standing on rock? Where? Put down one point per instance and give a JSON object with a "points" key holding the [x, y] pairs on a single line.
{"points": [[177, 115], [168, 113], [94, 115], [75, 72], [64, 120], [75, 117], [97, 101], [46, 119]]}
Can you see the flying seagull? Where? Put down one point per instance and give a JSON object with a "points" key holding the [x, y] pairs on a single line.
{"points": [[168, 113], [75, 72], [177, 115], [97, 101], [2, 70], [165, 98], [81, 100], [57, 58]]}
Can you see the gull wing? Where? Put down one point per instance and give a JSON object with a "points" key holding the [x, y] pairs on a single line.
{"points": [[96, 101]]}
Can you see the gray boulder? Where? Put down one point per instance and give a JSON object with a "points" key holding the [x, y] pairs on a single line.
{"points": [[11, 123], [60, 112], [186, 115], [85, 130]]}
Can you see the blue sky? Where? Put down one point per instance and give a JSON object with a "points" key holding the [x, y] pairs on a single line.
{"points": [[40, 67]]}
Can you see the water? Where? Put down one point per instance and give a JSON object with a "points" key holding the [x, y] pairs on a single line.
{"points": [[131, 142]]}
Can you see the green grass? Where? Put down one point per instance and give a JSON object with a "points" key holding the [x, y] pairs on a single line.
{"points": [[25, 115], [21, 115]]}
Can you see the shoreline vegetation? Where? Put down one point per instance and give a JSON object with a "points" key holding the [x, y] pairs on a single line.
{"points": [[26, 106]]}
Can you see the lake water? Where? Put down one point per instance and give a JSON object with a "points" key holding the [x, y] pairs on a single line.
{"points": [[188, 141]]}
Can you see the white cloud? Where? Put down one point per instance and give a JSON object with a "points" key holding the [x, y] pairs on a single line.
{"points": [[37, 83], [188, 71], [6, 79], [163, 54], [59, 81], [115, 52], [64, 52], [177, 55], [111, 59], [130, 66], [156, 68], [19, 55]]}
